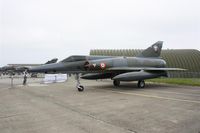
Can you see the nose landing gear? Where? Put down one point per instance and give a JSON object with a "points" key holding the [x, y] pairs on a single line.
{"points": [[79, 87]]}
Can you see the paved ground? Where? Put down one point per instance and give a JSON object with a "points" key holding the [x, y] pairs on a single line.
{"points": [[101, 108]]}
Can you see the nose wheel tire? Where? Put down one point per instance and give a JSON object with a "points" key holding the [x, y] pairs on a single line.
{"points": [[80, 88], [116, 83], [141, 84]]}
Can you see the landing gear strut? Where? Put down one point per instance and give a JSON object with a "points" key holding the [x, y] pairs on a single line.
{"points": [[141, 84], [78, 85], [116, 83]]}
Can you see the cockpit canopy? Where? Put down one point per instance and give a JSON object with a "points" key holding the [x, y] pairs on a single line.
{"points": [[74, 58]]}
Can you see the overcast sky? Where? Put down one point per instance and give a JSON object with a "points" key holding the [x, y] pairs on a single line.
{"points": [[34, 31]]}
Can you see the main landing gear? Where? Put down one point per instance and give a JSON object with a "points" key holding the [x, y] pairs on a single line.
{"points": [[116, 83], [141, 84], [78, 85]]}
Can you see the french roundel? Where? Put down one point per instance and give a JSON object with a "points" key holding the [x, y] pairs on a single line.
{"points": [[103, 65]]}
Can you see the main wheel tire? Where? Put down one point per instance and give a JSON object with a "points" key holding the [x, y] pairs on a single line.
{"points": [[141, 84], [80, 88], [116, 83]]}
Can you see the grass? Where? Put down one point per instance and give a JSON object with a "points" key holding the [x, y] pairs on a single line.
{"points": [[178, 81]]}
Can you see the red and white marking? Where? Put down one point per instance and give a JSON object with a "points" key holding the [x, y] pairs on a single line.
{"points": [[103, 65]]}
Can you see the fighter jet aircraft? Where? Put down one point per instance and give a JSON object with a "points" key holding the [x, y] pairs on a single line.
{"points": [[146, 65]]}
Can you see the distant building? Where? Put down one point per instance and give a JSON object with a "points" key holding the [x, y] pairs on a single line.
{"points": [[180, 58]]}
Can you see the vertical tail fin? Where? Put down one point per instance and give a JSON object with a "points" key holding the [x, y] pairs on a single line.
{"points": [[152, 51]]}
